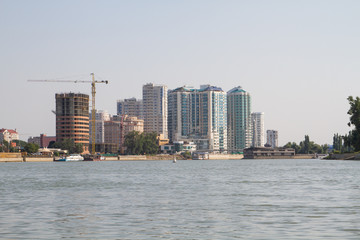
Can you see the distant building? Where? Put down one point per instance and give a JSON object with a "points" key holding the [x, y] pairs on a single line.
{"points": [[131, 107], [127, 125], [43, 141], [35, 140], [239, 119], [178, 147], [272, 138], [268, 153], [132, 123], [180, 112], [112, 134], [155, 105], [72, 118], [199, 116], [258, 128], [100, 118], [8, 135]]}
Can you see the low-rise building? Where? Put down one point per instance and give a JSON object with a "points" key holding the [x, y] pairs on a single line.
{"points": [[178, 147], [34, 140], [8, 135], [43, 141], [268, 153]]}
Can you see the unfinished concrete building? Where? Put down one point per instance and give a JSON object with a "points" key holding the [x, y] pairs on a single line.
{"points": [[72, 118]]}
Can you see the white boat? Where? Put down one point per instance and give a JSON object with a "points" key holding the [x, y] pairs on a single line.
{"points": [[174, 160], [72, 158]]}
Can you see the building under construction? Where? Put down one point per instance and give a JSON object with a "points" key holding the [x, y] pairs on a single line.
{"points": [[72, 118]]}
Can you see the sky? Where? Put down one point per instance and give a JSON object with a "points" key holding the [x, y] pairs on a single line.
{"points": [[299, 60]]}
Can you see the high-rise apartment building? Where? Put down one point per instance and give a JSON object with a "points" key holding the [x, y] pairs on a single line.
{"points": [[272, 138], [179, 112], [239, 119], [131, 107], [72, 118], [100, 118], [200, 116], [155, 109], [258, 128]]}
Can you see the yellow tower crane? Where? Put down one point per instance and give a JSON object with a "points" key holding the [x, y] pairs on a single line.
{"points": [[93, 92]]}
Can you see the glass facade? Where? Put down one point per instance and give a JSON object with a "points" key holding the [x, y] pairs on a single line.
{"points": [[199, 115], [239, 120]]}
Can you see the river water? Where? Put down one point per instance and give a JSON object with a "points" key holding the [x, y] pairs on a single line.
{"points": [[238, 199]]}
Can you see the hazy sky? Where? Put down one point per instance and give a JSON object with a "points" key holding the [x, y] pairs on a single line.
{"points": [[299, 60]]}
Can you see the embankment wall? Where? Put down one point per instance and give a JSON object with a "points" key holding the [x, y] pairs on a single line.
{"points": [[38, 159], [10, 155], [11, 159]]}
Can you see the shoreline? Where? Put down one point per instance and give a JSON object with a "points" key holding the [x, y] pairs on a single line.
{"points": [[16, 157]]}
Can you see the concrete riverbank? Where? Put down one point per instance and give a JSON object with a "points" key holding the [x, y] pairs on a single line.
{"points": [[16, 157]]}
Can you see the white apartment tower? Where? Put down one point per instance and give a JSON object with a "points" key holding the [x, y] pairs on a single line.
{"points": [[200, 116], [155, 109], [272, 138], [100, 118], [258, 128]]}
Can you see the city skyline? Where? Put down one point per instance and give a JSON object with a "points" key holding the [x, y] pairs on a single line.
{"points": [[299, 60]]}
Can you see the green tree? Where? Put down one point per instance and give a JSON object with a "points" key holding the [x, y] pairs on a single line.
{"points": [[70, 145], [6, 147], [307, 145], [337, 142], [144, 143], [51, 144], [31, 148], [78, 148], [133, 143], [325, 148], [347, 146], [20, 143], [354, 113], [150, 143], [293, 146], [186, 155]]}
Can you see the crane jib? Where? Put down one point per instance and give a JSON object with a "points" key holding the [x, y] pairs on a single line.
{"points": [[93, 92]]}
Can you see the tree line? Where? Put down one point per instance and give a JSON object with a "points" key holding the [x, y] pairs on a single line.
{"points": [[307, 147], [350, 142], [137, 143], [24, 146]]}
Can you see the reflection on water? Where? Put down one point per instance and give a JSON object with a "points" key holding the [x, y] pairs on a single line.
{"points": [[242, 199]]}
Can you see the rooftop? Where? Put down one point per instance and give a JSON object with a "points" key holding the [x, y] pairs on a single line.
{"points": [[237, 89]]}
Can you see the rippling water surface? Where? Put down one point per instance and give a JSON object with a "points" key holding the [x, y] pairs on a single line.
{"points": [[239, 199]]}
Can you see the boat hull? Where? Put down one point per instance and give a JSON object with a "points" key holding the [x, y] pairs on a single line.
{"points": [[71, 158]]}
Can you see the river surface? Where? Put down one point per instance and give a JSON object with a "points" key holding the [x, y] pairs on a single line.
{"points": [[231, 199]]}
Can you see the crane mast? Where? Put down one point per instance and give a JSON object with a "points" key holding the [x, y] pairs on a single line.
{"points": [[93, 110]]}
